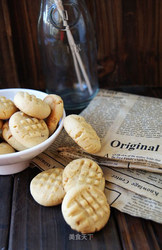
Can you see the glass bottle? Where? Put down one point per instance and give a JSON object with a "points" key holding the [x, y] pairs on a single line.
{"points": [[68, 49]]}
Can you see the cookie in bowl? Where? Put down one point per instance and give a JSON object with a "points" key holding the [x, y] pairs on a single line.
{"points": [[27, 130], [31, 105], [19, 160]]}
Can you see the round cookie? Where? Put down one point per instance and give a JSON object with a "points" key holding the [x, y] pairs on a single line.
{"points": [[46, 187], [56, 104], [82, 133], [7, 108], [83, 171], [10, 139], [85, 209], [5, 148], [27, 130], [31, 105]]}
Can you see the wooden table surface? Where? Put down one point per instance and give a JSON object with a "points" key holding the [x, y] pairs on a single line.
{"points": [[25, 225]]}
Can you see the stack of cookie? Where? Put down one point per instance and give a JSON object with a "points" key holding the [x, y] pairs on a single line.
{"points": [[84, 206], [80, 189], [80, 186], [27, 121]]}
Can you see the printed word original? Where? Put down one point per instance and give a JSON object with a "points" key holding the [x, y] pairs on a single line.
{"points": [[131, 146]]}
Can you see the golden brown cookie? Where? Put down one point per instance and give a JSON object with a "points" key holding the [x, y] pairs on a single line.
{"points": [[83, 171], [27, 130], [7, 108], [85, 209], [10, 139], [31, 105], [82, 133], [46, 187], [56, 104], [5, 148]]}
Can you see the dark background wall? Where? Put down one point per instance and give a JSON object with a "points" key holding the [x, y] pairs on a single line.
{"points": [[129, 41]]}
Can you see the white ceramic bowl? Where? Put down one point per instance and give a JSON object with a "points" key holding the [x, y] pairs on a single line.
{"points": [[18, 161]]}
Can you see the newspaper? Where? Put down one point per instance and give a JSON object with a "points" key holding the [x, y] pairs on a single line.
{"points": [[130, 128], [133, 203]]}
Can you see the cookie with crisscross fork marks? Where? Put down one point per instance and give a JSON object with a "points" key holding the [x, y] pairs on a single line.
{"points": [[10, 139], [85, 209], [27, 130], [31, 105], [7, 108], [83, 171], [46, 187]]}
